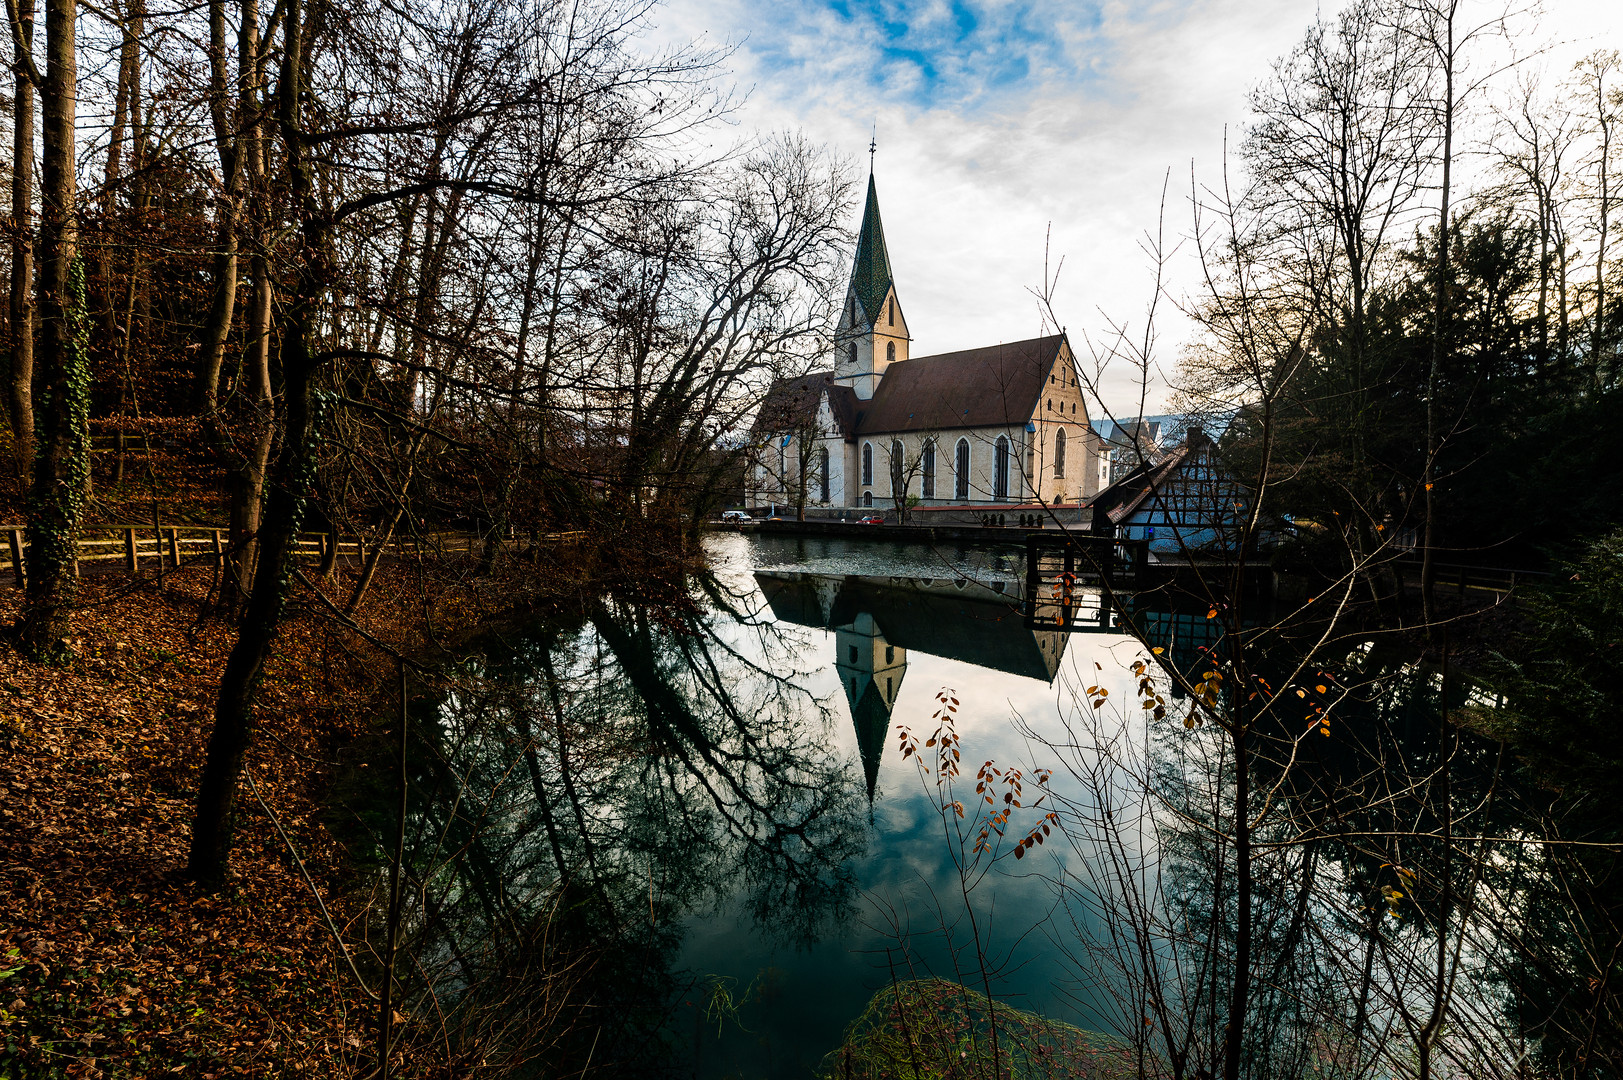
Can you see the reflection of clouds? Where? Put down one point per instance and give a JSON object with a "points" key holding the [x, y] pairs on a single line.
{"points": [[906, 864]]}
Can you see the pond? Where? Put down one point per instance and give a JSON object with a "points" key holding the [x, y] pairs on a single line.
{"points": [[877, 631], [717, 787], [700, 830]]}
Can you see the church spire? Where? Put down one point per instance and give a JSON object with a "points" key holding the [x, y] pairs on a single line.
{"points": [[871, 276], [871, 334]]}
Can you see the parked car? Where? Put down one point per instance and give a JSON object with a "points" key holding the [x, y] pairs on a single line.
{"points": [[736, 517], [871, 519]]}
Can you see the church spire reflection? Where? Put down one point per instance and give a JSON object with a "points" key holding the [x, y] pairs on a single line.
{"points": [[877, 620], [871, 671]]}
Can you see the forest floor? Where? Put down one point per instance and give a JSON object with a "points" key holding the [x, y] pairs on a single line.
{"points": [[111, 964]]}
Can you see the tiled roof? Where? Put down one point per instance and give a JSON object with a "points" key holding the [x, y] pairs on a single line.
{"points": [[1123, 498], [991, 387], [843, 402], [791, 404]]}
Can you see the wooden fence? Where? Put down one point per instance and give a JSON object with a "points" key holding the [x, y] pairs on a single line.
{"points": [[147, 546]]}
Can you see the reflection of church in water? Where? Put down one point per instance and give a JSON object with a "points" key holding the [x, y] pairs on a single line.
{"points": [[877, 620]]}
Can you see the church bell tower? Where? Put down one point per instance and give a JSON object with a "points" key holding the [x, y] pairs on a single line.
{"points": [[871, 334]]}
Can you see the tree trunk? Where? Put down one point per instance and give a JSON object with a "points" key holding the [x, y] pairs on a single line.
{"points": [[217, 327], [123, 93], [209, 858], [62, 460], [214, 823], [20, 396], [1603, 194], [369, 567], [1428, 572], [238, 136]]}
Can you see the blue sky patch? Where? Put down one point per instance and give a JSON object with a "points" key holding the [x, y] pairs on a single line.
{"points": [[967, 55]]}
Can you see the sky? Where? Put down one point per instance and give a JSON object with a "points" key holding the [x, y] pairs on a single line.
{"points": [[1009, 127]]}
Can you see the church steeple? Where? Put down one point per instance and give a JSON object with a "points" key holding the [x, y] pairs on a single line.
{"points": [[871, 280], [872, 334]]}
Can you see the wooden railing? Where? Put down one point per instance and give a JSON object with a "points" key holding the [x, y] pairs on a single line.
{"points": [[147, 546]]}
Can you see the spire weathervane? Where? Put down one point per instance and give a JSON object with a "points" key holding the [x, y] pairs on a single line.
{"points": [[873, 144]]}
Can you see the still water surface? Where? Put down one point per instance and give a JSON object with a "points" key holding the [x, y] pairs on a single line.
{"points": [[719, 791], [877, 630]]}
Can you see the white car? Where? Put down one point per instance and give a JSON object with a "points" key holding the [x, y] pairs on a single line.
{"points": [[736, 517]]}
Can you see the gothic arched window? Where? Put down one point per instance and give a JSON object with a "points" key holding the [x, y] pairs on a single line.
{"points": [[892, 316], [890, 352], [1000, 468], [1059, 454], [927, 469], [867, 498], [822, 472], [898, 481], [867, 463], [961, 471], [851, 351]]}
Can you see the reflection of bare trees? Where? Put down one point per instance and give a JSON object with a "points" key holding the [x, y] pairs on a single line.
{"points": [[580, 793], [1412, 910]]}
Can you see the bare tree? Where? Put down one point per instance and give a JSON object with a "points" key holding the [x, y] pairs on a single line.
{"points": [[19, 394], [1602, 101], [1536, 138], [62, 460]]}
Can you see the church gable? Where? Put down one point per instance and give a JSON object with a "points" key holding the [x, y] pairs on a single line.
{"points": [[886, 320], [1062, 399]]}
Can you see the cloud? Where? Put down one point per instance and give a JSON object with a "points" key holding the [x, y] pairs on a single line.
{"points": [[998, 120]]}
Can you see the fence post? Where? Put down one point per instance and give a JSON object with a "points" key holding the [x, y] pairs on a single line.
{"points": [[16, 537], [131, 559], [219, 549], [174, 548]]}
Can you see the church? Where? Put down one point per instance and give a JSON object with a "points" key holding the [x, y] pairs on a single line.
{"points": [[999, 426]]}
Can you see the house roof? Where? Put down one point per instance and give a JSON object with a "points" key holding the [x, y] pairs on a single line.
{"points": [[1123, 498], [871, 277], [843, 402], [792, 403], [991, 387]]}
